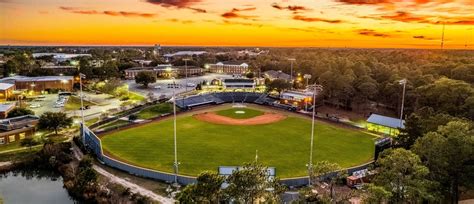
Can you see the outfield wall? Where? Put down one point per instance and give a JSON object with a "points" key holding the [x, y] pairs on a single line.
{"points": [[93, 144]]}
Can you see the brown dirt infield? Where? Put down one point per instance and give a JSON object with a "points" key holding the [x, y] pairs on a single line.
{"points": [[266, 118]]}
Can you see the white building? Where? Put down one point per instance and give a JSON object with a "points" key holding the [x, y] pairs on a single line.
{"points": [[229, 67]]}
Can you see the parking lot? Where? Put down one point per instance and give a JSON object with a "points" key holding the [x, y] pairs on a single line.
{"points": [[161, 86]]}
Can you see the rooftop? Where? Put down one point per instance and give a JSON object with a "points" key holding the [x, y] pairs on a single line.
{"points": [[14, 79], [386, 121], [233, 63], [18, 122], [239, 81], [5, 86], [7, 106]]}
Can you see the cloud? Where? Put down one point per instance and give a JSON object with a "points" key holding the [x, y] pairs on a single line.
{"points": [[364, 2], [295, 9], [407, 17], [174, 20], [370, 32], [422, 37], [227, 22], [235, 13], [108, 12], [311, 19], [179, 4]]}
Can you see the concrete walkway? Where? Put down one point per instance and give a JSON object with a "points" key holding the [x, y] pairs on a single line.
{"points": [[127, 184]]}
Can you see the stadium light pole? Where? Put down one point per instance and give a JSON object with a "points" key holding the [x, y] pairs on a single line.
{"points": [[174, 135], [291, 70], [82, 108], [186, 73], [404, 83], [310, 165]]}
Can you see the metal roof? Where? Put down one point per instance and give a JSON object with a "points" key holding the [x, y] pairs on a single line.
{"points": [[36, 79], [386, 121], [5, 86], [6, 107]]}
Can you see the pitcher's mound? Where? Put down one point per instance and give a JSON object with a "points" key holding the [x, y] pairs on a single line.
{"points": [[266, 118]]}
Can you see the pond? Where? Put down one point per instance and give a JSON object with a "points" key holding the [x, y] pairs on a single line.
{"points": [[33, 187]]}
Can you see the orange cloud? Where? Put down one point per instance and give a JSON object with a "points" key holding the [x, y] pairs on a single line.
{"points": [[109, 13], [370, 32], [295, 8], [187, 4], [311, 19], [234, 13]]}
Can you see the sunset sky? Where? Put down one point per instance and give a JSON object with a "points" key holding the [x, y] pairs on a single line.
{"points": [[318, 23]]}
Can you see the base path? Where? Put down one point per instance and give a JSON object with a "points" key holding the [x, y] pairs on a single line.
{"points": [[266, 118]]}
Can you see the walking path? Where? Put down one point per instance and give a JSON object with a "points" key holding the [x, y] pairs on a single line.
{"points": [[127, 184]]}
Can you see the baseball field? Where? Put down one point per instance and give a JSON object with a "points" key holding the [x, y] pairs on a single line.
{"points": [[228, 136]]}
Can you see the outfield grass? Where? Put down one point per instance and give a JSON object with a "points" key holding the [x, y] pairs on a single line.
{"points": [[204, 146], [231, 113]]}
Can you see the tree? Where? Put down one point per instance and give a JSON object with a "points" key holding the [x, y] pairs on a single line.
{"points": [[279, 85], [250, 75], [447, 96], [29, 142], [18, 111], [448, 153], [412, 131], [401, 172], [375, 194], [145, 78], [132, 117], [250, 183], [206, 190], [320, 172], [54, 121]]}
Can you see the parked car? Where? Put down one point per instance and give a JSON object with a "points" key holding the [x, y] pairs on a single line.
{"points": [[35, 105]]}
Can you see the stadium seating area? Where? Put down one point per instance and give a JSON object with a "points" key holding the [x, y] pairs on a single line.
{"points": [[224, 97]]}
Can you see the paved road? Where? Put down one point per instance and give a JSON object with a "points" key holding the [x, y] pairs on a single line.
{"points": [[163, 84], [127, 184]]}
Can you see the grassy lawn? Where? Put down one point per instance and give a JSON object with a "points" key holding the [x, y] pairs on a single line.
{"points": [[113, 124], [232, 113], [13, 145], [204, 146], [155, 111], [74, 103]]}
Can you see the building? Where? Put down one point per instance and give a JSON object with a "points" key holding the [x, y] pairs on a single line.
{"points": [[229, 67], [40, 84], [183, 54], [60, 57], [17, 128], [299, 99], [239, 83], [165, 71], [384, 124], [272, 75], [6, 91], [60, 69], [5, 109]]}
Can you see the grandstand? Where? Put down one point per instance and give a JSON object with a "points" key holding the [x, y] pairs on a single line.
{"points": [[230, 97]]}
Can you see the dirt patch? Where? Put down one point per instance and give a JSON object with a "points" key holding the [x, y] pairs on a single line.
{"points": [[266, 118]]}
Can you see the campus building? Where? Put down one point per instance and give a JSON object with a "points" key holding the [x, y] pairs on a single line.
{"points": [[17, 128], [299, 99], [6, 91], [234, 68], [40, 84], [272, 75], [238, 83], [60, 68], [165, 71], [5, 109]]}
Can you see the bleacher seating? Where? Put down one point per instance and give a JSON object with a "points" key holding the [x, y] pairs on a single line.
{"points": [[223, 97]]}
